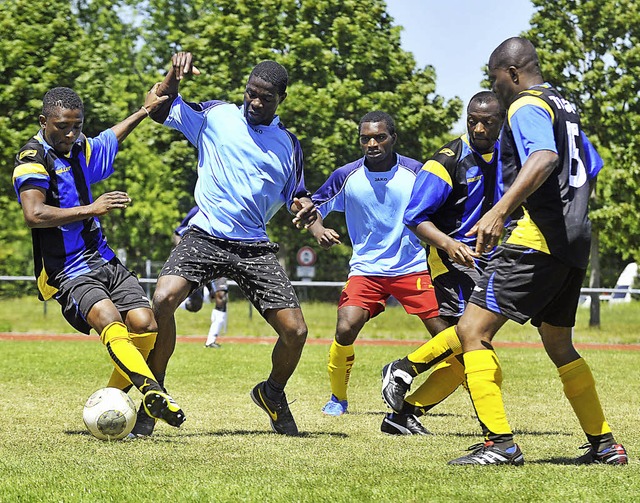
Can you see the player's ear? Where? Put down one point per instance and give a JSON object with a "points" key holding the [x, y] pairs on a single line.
{"points": [[514, 74], [282, 97], [43, 121]]}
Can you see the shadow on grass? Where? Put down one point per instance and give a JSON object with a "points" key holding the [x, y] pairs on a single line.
{"points": [[220, 433]]}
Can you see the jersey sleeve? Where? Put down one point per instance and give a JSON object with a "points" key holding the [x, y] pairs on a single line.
{"points": [[100, 154], [29, 170], [433, 186], [531, 121], [188, 118], [297, 186], [330, 196], [594, 162]]}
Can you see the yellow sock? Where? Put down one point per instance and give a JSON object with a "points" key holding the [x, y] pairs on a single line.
{"points": [[580, 390], [441, 346], [484, 378], [443, 380], [127, 358], [341, 360], [144, 343]]}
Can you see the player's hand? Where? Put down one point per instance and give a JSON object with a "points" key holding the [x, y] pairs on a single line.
{"points": [[327, 238], [110, 201], [182, 63], [152, 101], [489, 230], [461, 254], [306, 213]]}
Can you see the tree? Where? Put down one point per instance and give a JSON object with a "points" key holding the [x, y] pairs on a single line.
{"points": [[591, 52]]}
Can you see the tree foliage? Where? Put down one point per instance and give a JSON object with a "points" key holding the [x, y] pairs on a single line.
{"points": [[344, 59], [591, 51]]}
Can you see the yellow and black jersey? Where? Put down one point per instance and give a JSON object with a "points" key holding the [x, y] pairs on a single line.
{"points": [[554, 219], [64, 252]]}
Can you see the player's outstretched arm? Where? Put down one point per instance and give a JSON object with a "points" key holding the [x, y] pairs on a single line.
{"points": [[181, 66], [151, 103], [38, 214]]}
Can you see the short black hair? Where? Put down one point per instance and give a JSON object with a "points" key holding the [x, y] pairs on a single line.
{"points": [[273, 73], [62, 97], [518, 52], [484, 97], [378, 116]]}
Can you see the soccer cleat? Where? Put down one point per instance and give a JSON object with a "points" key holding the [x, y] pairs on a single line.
{"points": [[279, 414], [395, 384], [402, 424], [615, 454], [144, 424], [335, 407], [160, 405], [214, 345], [489, 454]]}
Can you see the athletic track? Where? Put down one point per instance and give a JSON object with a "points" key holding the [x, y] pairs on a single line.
{"points": [[12, 336]]}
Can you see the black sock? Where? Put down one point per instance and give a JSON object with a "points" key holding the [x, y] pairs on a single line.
{"points": [[601, 442], [274, 390], [411, 368]]}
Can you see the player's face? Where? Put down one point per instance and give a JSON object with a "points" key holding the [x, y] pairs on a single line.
{"points": [[377, 143], [484, 121], [502, 84], [62, 128], [261, 100]]}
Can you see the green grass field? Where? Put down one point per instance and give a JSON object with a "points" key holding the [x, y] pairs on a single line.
{"points": [[226, 452]]}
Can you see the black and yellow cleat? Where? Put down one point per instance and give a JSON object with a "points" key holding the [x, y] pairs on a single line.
{"points": [[279, 414], [160, 405], [144, 424]]}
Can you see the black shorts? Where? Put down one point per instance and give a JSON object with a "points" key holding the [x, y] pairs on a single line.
{"points": [[522, 284], [453, 285], [111, 281], [199, 258]]}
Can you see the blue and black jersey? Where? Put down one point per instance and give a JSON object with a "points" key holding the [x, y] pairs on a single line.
{"points": [[454, 188], [67, 251], [554, 219]]}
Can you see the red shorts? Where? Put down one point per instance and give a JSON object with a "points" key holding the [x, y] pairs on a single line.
{"points": [[414, 291]]}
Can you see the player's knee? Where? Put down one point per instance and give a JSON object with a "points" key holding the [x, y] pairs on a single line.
{"points": [[346, 333], [141, 321], [295, 334], [165, 302]]}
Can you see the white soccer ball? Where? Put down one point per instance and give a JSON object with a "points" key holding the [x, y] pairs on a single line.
{"points": [[109, 414]]}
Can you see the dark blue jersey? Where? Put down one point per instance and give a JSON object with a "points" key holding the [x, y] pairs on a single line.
{"points": [[64, 252], [554, 219]]}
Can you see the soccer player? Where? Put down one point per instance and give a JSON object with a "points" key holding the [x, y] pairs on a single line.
{"points": [[452, 191], [74, 265], [387, 258], [217, 289], [537, 271], [249, 165]]}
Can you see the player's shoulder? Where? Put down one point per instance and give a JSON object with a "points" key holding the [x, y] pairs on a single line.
{"points": [[449, 154], [409, 163], [31, 152]]}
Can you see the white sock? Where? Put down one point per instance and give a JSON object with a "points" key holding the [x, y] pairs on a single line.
{"points": [[218, 322]]}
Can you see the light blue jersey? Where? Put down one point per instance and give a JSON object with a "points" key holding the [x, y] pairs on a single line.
{"points": [[245, 172], [373, 204]]}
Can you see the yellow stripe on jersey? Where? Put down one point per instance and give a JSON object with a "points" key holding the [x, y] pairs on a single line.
{"points": [[87, 150], [439, 170], [528, 234], [436, 266], [47, 291], [29, 168], [529, 100]]}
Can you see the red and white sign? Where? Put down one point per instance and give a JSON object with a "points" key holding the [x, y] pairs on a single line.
{"points": [[306, 256]]}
